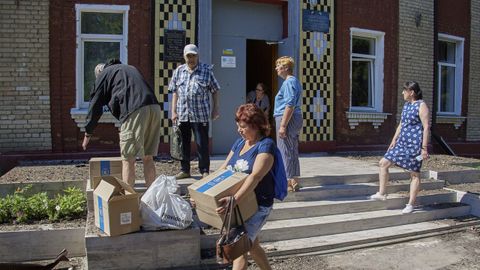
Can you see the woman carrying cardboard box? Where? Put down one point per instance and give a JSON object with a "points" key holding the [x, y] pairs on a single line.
{"points": [[253, 154]]}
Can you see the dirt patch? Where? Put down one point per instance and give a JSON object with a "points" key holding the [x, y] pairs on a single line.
{"points": [[69, 170], [434, 163], [44, 225], [74, 170]]}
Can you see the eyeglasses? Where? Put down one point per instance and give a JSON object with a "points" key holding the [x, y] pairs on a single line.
{"points": [[258, 89]]}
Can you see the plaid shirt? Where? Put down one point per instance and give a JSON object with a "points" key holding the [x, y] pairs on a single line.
{"points": [[193, 91]]}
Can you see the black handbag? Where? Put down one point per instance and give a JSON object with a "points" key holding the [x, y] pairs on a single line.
{"points": [[233, 242], [176, 143]]}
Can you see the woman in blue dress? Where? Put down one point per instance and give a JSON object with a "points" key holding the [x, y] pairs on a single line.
{"points": [[409, 144], [253, 154]]}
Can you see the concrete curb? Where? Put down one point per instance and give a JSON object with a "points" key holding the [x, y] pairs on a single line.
{"points": [[457, 177], [469, 198], [20, 246]]}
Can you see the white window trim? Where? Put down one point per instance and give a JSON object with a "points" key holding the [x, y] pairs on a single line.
{"points": [[459, 49], [378, 68], [81, 38]]}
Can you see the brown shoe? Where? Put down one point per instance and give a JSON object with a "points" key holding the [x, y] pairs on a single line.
{"points": [[182, 175], [296, 186], [293, 186]]}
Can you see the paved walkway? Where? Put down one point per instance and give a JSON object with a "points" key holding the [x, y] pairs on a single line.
{"points": [[317, 164]]}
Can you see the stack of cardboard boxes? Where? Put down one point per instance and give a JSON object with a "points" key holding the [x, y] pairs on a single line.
{"points": [[116, 204], [104, 166]]}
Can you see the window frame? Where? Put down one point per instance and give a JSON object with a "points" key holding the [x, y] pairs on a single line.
{"points": [[82, 38], [459, 58], [377, 74]]}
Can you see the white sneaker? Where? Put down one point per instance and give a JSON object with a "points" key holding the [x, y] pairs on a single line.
{"points": [[408, 209], [378, 197]]}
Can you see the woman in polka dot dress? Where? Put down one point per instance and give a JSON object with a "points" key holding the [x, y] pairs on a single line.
{"points": [[409, 144]]}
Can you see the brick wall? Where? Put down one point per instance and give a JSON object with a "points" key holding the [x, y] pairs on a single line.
{"points": [[454, 19], [66, 134], [378, 15], [473, 120], [415, 50], [24, 76]]}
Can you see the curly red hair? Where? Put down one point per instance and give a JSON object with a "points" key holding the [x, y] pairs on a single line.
{"points": [[253, 116]]}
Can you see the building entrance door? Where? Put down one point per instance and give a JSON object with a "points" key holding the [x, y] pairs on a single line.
{"points": [[231, 74], [261, 56], [236, 25]]}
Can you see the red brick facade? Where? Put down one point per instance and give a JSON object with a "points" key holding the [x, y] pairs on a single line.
{"points": [[66, 136], [454, 19], [377, 15]]}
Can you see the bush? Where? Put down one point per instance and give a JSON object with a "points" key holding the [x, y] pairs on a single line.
{"points": [[70, 205], [23, 208]]}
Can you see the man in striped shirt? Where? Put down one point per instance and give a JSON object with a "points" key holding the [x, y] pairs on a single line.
{"points": [[191, 85]]}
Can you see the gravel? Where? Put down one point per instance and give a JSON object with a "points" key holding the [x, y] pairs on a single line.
{"points": [[72, 170]]}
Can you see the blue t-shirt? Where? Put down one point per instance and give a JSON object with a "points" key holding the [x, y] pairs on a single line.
{"points": [[265, 190], [290, 94]]}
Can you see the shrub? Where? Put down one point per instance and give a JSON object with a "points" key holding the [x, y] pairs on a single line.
{"points": [[23, 208], [70, 205], [5, 214]]}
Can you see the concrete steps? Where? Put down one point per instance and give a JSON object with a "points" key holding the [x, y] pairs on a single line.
{"points": [[333, 206], [348, 216], [333, 224], [366, 238], [321, 180], [356, 189]]}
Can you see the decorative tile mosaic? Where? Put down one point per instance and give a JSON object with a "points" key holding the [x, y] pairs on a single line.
{"points": [[171, 15], [316, 74]]}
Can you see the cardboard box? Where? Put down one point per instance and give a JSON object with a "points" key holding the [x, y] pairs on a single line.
{"points": [[116, 207], [95, 180], [207, 191], [104, 166]]}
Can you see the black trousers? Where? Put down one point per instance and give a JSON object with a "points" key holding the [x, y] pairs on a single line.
{"points": [[200, 132]]}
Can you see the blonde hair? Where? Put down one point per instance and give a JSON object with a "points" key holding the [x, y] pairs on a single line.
{"points": [[99, 69], [286, 61]]}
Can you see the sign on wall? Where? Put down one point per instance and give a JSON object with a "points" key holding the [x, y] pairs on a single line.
{"points": [[315, 21], [174, 43]]}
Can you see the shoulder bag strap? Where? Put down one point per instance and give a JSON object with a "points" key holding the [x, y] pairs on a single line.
{"points": [[227, 220], [237, 212]]}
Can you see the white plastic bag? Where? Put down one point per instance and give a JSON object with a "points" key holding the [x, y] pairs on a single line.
{"points": [[161, 208]]}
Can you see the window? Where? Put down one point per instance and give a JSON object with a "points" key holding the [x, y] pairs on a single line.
{"points": [[450, 75], [366, 65], [102, 32]]}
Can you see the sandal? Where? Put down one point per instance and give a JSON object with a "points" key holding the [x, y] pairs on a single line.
{"points": [[293, 186], [296, 186]]}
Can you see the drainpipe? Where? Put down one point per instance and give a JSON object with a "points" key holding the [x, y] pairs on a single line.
{"points": [[435, 66]]}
